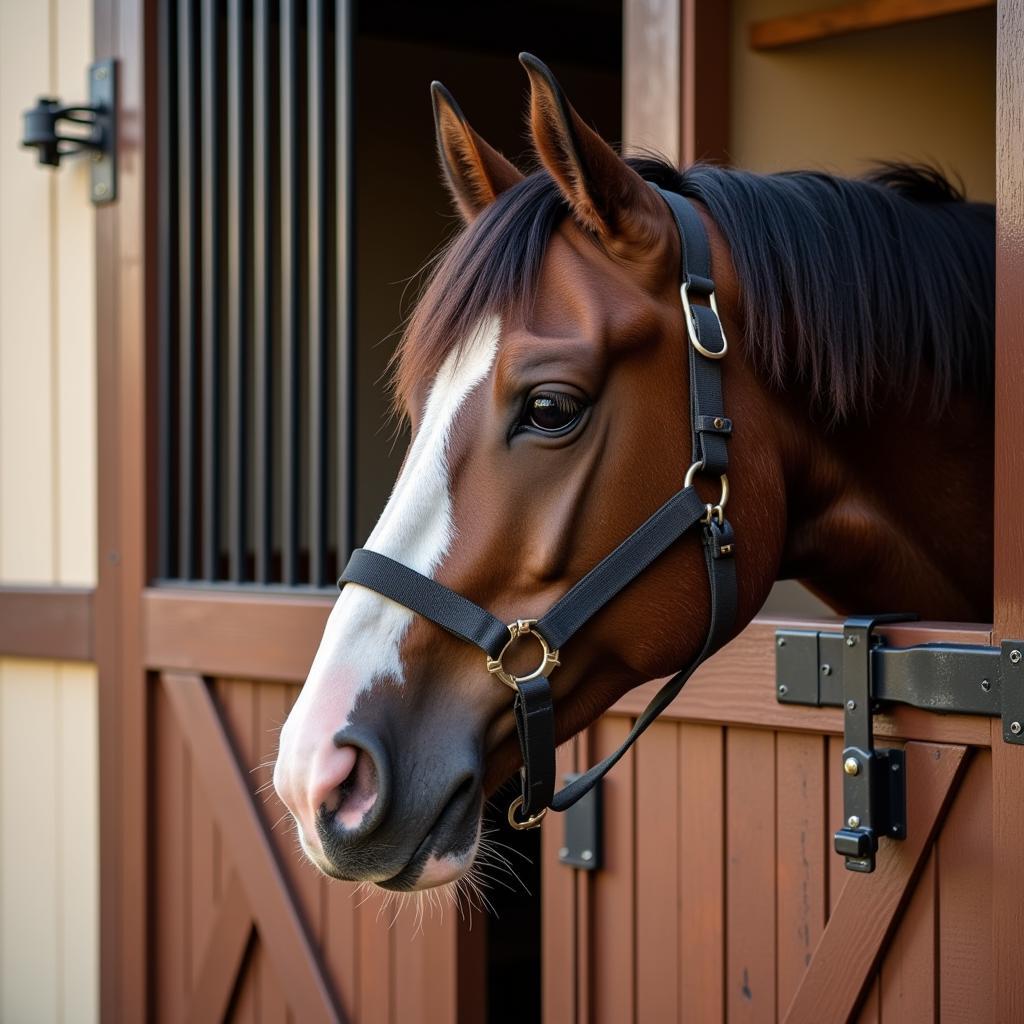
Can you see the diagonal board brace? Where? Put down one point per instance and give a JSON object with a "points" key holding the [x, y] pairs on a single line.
{"points": [[267, 891], [865, 917]]}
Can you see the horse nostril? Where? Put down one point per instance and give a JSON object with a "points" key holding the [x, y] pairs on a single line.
{"points": [[349, 803]]}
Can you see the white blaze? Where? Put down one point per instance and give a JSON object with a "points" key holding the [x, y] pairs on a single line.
{"points": [[364, 632]]}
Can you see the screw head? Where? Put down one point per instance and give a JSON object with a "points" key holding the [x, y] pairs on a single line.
{"points": [[100, 190], [1015, 656], [783, 690], [587, 855], [1015, 728], [563, 852], [100, 75], [780, 641], [853, 821], [826, 670], [851, 766], [986, 685], [851, 705], [851, 641]]}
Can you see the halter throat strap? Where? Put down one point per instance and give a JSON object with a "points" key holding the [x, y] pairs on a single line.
{"points": [[684, 511]]}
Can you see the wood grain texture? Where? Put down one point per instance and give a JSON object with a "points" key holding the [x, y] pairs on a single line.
{"points": [[230, 633], [657, 874], [281, 929], [965, 898], [701, 872], [737, 686], [909, 974], [802, 877], [844, 963], [750, 937], [858, 16], [46, 622], [1007, 760]]}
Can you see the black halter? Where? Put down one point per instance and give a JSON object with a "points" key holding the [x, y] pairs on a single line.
{"points": [[684, 511]]}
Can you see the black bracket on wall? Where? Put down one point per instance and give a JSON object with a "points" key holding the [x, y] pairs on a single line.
{"points": [[856, 671], [582, 846], [43, 131]]}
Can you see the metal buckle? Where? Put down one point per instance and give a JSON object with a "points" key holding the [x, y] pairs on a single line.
{"points": [[718, 509], [532, 822], [692, 331], [549, 662]]}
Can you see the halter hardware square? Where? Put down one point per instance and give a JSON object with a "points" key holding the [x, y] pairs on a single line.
{"points": [[856, 671]]}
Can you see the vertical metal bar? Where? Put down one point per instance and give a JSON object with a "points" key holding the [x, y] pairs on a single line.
{"points": [[344, 275], [290, 283], [263, 263], [239, 254], [188, 277], [212, 127], [167, 296], [317, 274]]}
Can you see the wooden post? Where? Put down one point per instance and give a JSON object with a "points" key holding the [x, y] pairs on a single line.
{"points": [[676, 78], [1007, 760]]}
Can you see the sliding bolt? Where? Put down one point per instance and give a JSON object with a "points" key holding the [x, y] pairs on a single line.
{"points": [[851, 766]]}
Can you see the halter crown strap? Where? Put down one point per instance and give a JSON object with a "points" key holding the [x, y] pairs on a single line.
{"points": [[533, 709]]}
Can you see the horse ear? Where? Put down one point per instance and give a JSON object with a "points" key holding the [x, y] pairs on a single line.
{"points": [[606, 195], [476, 173]]}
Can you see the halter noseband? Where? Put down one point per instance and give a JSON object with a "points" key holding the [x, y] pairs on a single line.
{"points": [[685, 510]]}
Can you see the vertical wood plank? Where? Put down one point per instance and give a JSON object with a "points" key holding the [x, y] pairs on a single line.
{"points": [[1008, 760], [657, 873], [702, 872], [750, 876], [802, 876], [909, 971], [374, 960], [612, 934], [965, 899], [558, 911], [838, 876], [425, 965], [170, 852]]}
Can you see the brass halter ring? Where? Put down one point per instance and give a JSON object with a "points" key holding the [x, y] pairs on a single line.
{"points": [[549, 661], [532, 822], [717, 510], [692, 331]]}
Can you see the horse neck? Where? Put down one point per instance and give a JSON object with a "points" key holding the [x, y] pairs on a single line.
{"points": [[893, 511]]}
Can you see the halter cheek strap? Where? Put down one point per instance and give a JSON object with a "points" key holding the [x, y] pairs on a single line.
{"points": [[684, 511]]}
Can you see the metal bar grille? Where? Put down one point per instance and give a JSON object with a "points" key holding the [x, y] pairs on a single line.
{"points": [[253, 478]]}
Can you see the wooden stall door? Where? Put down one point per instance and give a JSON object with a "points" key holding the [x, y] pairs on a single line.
{"points": [[720, 897]]}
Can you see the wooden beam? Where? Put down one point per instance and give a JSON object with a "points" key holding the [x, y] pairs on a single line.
{"points": [[219, 632], [676, 78], [737, 687], [859, 16], [282, 931], [46, 622], [868, 909], [223, 958], [1007, 759]]}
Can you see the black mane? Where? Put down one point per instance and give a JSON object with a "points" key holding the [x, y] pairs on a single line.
{"points": [[846, 285]]}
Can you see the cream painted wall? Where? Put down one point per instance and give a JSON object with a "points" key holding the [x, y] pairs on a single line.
{"points": [[48, 714], [924, 90]]}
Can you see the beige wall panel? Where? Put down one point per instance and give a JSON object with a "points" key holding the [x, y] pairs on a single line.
{"points": [[49, 874], [75, 314], [922, 91], [29, 843], [26, 314]]}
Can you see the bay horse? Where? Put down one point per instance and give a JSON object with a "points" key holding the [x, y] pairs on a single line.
{"points": [[545, 383]]}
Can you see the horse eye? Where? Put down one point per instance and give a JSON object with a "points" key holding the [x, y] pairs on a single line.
{"points": [[552, 411]]}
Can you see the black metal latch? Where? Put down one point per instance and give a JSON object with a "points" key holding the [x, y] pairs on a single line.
{"points": [[94, 134], [856, 671]]}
